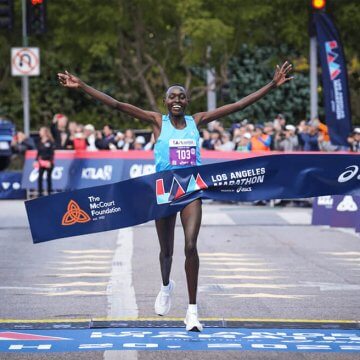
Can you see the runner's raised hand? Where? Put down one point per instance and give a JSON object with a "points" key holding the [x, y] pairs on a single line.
{"points": [[68, 80], [281, 73]]}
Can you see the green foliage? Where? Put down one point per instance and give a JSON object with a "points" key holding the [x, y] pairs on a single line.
{"points": [[254, 67]]}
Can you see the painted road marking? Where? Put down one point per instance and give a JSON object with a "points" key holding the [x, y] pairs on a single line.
{"points": [[249, 339], [77, 284], [224, 254], [242, 277], [88, 257], [237, 263], [264, 296], [120, 289], [295, 217], [217, 219], [247, 285], [239, 269], [88, 251]]}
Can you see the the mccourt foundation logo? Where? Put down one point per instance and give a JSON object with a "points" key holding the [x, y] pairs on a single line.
{"points": [[176, 190], [74, 214]]}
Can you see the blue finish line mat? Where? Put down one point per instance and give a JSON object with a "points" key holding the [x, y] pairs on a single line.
{"points": [[327, 337]]}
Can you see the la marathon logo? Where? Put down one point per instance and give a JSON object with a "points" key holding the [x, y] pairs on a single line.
{"points": [[74, 215], [331, 56], [177, 190]]}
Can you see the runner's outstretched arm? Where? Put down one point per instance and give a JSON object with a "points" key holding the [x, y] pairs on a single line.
{"points": [[279, 79], [71, 81]]}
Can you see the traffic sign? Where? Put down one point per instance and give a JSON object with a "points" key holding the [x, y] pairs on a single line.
{"points": [[25, 61]]}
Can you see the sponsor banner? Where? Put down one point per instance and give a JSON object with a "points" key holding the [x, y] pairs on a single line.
{"points": [[216, 339], [154, 196], [346, 211], [335, 82], [60, 175], [10, 185], [322, 210], [78, 170]]}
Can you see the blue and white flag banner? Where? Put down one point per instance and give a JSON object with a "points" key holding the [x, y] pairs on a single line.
{"points": [[136, 201], [335, 82]]}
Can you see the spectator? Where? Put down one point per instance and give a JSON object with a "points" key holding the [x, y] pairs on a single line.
{"points": [[243, 143], [107, 140], [287, 140], [119, 140], [129, 140], [45, 159], [139, 143], [269, 130], [60, 132], [279, 122], [150, 145], [72, 130], [226, 143], [354, 140], [259, 141], [89, 134], [324, 138], [19, 145], [206, 140], [79, 139], [309, 137]]}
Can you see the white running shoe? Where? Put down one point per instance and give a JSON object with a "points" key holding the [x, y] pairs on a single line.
{"points": [[163, 300], [192, 322]]}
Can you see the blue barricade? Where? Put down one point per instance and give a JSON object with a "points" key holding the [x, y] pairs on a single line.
{"points": [[78, 170], [10, 185]]}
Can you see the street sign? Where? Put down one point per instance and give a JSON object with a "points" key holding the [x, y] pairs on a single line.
{"points": [[25, 61]]}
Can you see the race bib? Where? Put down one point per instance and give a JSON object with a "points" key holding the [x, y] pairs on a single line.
{"points": [[182, 152]]}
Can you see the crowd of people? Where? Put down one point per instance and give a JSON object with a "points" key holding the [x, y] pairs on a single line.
{"points": [[276, 135]]}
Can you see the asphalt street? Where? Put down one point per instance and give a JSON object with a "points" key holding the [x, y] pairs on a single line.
{"points": [[257, 262]]}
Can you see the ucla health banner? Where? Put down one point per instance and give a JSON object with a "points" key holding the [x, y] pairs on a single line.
{"points": [[335, 82], [154, 196]]}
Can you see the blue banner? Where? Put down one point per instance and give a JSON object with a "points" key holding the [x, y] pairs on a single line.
{"points": [[154, 196], [10, 185], [335, 82], [280, 340], [74, 170]]}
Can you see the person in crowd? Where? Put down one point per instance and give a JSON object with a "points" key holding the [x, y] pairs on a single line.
{"points": [[279, 122], [129, 140], [269, 130], [242, 143], [139, 143], [19, 145], [226, 143], [60, 131], [151, 144], [287, 140], [206, 140], [354, 140], [309, 137], [45, 158], [79, 139], [90, 137], [107, 140], [169, 129], [119, 140], [259, 140]]}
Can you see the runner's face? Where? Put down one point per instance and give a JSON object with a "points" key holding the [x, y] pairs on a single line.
{"points": [[176, 100]]}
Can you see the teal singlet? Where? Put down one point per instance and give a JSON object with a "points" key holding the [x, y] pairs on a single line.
{"points": [[176, 148]]}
